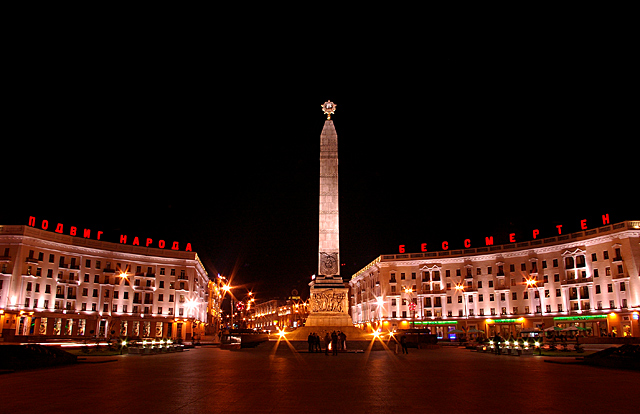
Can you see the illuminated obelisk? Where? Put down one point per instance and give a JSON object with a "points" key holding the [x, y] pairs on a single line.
{"points": [[329, 294]]}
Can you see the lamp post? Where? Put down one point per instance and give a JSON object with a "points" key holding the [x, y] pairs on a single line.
{"points": [[460, 288], [412, 307], [227, 288]]}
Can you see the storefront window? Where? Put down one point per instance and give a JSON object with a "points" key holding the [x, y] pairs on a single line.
{"points": [[43, 326], [123, 328], [159, 329], [82, 325], [68, 327]]}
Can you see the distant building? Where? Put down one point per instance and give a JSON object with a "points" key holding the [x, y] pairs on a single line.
{"points": [[54, 286], [589, 279], [278, 314]]}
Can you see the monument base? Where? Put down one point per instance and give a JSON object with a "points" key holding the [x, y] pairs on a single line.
{"points": [[353, 333], [328, 319]]}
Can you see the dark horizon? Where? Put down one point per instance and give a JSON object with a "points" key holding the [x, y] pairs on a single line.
{"points": [[460, 148]]}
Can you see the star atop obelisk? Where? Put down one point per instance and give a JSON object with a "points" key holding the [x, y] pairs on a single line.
{"points": [[329, 108]]}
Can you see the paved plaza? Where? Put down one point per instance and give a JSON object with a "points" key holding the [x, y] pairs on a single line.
{"points": [[211, 380]]}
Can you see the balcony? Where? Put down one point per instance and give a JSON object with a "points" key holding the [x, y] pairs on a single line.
{"points": [[70, 279], [586, 280], [432, 291], [144, 288], [31, 260], [620, 276]]}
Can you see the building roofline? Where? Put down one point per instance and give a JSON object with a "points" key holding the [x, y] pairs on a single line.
{"points": [[510, 247], [80, 242]]}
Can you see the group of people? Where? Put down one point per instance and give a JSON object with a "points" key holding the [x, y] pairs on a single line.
{"points": [[337, 341]]}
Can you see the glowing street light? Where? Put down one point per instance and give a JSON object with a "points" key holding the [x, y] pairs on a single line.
{"points": [[460, 288]]}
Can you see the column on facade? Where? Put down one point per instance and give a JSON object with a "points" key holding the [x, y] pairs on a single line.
{"points": [[543, 304], [566, 299], [616, 293], [578, 289]]}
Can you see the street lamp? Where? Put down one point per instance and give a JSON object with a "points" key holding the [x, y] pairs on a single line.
{"points": [[227, 288], [533, 284], [460, 288], [412, 306]]}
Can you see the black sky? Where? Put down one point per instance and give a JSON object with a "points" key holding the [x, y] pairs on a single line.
{"points": [[220, 148]]}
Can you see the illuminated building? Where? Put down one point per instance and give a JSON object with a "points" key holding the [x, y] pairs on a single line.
{"points": [[276, 313], [589, 279], [55, 286]]}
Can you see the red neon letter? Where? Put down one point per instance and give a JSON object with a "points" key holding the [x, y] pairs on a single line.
{"points": [[467, 243], [87, 233], [99, 234], [161, 244], [535, 233], [605, 219], [123, 238], [45, 224], [149, 242], [512, 237], [423, 247], [488, 241], [445, 245], [174, 246], [559, 227], [583, 224], [136, 242], [188, 248], [32, 221], [59, 228], [401, 248], [73, 231]]}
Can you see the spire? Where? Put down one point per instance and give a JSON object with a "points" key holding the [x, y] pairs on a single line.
{"points": [[329, 108], [329, 240]]}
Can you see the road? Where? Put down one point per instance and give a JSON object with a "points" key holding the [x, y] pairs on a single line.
{"points": [[264, 380]]}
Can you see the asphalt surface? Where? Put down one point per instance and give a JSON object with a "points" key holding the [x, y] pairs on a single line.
{"points": [[211, 380]]}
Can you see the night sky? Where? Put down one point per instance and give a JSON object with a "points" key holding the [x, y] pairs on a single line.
{"points": [[223, 152]]}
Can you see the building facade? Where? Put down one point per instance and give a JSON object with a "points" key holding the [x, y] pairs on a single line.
{"points": [[278, 314], [589, 279], [54, 286]]}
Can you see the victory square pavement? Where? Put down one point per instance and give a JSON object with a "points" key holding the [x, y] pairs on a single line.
{"points": [[266, 380]]}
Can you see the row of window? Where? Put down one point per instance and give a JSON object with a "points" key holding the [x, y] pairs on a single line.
{"points": [[573, 294], [73, 264], [94, 307], [480, 283], [36, 286], [571, 275], [584, 305]]}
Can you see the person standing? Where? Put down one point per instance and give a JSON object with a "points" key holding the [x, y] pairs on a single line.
{"points": [[343, 341], [327, 341], [403, 343], [334, 343], [310, 340]]}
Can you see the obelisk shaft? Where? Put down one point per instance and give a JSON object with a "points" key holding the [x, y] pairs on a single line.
{"points": [[329, 241]]}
